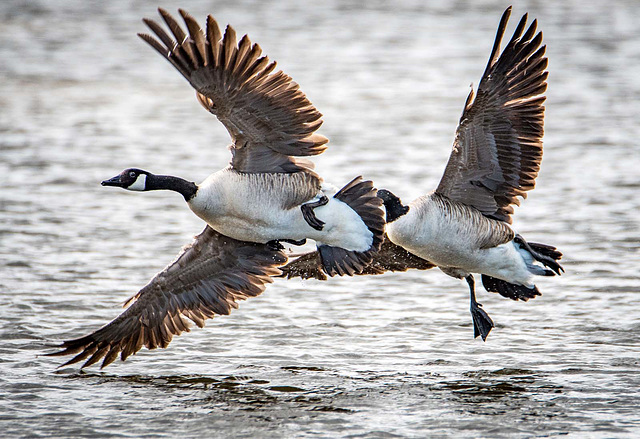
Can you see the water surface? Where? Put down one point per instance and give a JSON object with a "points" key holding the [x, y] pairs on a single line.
{"points": [[391, 356]]}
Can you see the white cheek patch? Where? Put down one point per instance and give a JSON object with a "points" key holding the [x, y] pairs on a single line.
{"points": [[140, 184]]}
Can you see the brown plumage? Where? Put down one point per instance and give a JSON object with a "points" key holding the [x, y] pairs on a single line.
{"points": [[268, 117], [390, 257], [498, 145], [486, 232], [208, 278]]}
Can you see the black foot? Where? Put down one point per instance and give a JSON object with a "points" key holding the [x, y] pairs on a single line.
{"points": [[482, 323], [294, 242], [310, 216], [275, 245]]}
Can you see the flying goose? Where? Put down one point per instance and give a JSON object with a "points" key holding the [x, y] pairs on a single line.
{"points": [[264, 197], [463, 226]]}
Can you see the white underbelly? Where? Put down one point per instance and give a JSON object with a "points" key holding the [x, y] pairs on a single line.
{"points": [[447, 248], [242, 211], [258, 228]]}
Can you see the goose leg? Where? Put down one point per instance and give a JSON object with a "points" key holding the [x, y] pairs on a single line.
{"points": [[482, 323], [309, 216]]}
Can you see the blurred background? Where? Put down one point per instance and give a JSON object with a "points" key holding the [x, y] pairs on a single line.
{"points": [[81, 98]]}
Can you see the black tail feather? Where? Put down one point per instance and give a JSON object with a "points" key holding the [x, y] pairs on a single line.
{"points": [[547, 255], [338, 261], [390, 257], [506, 289], [362, 197]]}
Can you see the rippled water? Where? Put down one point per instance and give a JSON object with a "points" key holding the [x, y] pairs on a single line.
{"points": [[391, 356]]}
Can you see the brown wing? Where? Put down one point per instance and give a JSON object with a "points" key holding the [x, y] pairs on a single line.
{"points": [[391, 257], [268, 117], [207, 279], [498, 146]]}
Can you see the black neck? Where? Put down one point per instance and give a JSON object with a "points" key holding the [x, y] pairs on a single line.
{"points": [[392, 204], [167, 182], [395, 211]]}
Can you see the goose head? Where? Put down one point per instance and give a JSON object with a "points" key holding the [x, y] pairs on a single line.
{"points": [[392, 205], [132, 179]]}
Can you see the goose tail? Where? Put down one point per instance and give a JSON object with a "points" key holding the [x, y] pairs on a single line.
{"points": [[362, 197], [509, 290], [547, 255]]}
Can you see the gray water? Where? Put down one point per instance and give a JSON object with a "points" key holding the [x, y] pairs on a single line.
{"points": [[390, 356]]}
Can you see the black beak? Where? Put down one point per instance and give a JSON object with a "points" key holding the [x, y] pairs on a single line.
{"points": [[115, 181]]}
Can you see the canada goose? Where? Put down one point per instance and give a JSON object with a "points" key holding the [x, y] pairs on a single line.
{"points": [[265, 196], [463, 226]]}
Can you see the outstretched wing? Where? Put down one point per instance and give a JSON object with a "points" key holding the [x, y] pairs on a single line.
{"points": [[498, 146], [268, 117], [390, 257], [207, 279]]}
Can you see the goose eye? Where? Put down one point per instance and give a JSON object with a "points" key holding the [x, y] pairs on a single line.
{"points": [[132, 174]]}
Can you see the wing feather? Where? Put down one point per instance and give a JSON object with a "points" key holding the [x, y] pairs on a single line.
{"points": [[207, 279], [262, 110], [196, 34], [390, 257], [498, 146]]}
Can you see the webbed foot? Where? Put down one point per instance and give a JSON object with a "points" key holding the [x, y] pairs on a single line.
{"points": [[308, 214], [482, 323]]}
